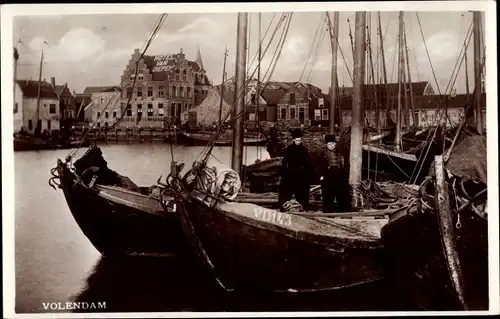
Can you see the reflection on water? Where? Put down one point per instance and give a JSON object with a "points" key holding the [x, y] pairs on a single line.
{"points": [[55, 262]]}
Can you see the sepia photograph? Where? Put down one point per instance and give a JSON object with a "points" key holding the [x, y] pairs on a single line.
{"points": [[249, 158]]}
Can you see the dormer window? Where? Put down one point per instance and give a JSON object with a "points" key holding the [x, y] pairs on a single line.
{"points": [[141, 76]]}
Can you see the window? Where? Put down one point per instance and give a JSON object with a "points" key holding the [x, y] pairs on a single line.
{"points": [[172, 110], [317, 115], [179, 107], [184, 75], [52, 108], [252, 99], [150, 91], [49, 125], [292, 113], [132, 76], [141, 76], [98, 114], [139, 92], [188, 94], [174, 91], [161, 91], [160, 109], [106, 124], [129, 92], [292, 98], [129, 110], [139, 108], [181, 91], [98, 124], [102, 99], [15, 108], [150, 109], [325, 114], [177, 74], [114, 114], [302, 114], [106, 115], [30, 125], [195, 92], [283, 114]]}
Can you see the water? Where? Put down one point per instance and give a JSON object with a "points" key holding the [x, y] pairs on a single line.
{"points": [[55, 262]]}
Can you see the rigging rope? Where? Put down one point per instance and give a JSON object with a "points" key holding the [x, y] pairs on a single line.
{"points": [[311, 50]]}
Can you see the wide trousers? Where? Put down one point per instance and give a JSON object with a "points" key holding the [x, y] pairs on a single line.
{"points": [[336, 186], [294, 183]]}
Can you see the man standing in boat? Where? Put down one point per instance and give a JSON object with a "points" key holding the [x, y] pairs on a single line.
{"points": [[334, 180], [296, 172]]}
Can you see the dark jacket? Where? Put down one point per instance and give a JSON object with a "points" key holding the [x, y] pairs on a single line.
{"points": [[324, 164], [296, 162]]}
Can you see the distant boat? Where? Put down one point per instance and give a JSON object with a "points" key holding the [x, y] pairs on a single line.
{"points": [[202, 138], [32, 143]]}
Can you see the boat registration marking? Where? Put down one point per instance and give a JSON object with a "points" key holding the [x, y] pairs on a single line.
{"points": [[273, 216]]}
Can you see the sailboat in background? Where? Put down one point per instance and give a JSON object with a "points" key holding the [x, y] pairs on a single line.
{"points": [[438, 250]]}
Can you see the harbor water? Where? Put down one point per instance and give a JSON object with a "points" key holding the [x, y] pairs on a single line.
{"points": [[55, 263]]}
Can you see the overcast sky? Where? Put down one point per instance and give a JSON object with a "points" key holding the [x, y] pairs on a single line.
{"points": [[92, 50]]}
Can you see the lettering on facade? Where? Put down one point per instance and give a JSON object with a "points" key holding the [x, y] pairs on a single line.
{"points": [[273, 216], [161, 63]]}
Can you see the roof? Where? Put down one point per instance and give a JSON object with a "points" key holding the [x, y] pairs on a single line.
{"points": [[272, 96], [30, 89], [229, 94], [97, 89], [168, 63], [421, 102], [391, 88]]}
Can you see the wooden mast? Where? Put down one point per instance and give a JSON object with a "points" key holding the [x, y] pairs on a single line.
{"points": [[239, 107], [384, 69], [412, 100], [374, 82], [355, 158], [222, 88], [257, 107], [476, 18], [334, 84], [37, 112], [16, 57], [397, 140]]}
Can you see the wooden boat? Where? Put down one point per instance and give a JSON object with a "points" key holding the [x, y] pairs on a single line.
{"points": [[249, 247], [32, 143], [202, 138], [118, 217], [439, 251], [439, 255]]}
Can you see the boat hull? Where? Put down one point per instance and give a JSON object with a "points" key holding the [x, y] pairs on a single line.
{"points": [[39, 145], [418, 265], [202, 139], [244, 254], [116, 228]]}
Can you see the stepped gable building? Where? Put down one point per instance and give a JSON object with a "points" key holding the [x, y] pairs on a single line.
{"points": [[167, 87]]}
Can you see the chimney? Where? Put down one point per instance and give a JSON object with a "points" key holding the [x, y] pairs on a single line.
{"points": [[53, 81]]}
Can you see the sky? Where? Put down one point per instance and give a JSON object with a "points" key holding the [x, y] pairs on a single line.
{"points": [[93, 50]]}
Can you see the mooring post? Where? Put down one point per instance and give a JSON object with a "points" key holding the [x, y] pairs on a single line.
{"points": [[446, 228]]}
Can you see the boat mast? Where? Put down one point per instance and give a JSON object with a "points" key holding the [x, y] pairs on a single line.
{"points": [[397, 140], [414, 115], [222, 88], [37, 113], [388, 110], [476, 18], [467, 91], [355, 158], [374, 85], [258, 84], [333, 95], [237, 118]]}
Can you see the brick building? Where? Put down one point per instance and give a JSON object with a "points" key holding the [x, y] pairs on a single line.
{"points": [[167, 86]]}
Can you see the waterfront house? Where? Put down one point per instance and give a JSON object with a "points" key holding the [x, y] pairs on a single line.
{"points": [[49, 111]]}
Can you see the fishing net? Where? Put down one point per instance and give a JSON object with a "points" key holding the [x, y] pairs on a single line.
{"points": [[217, 180]]}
